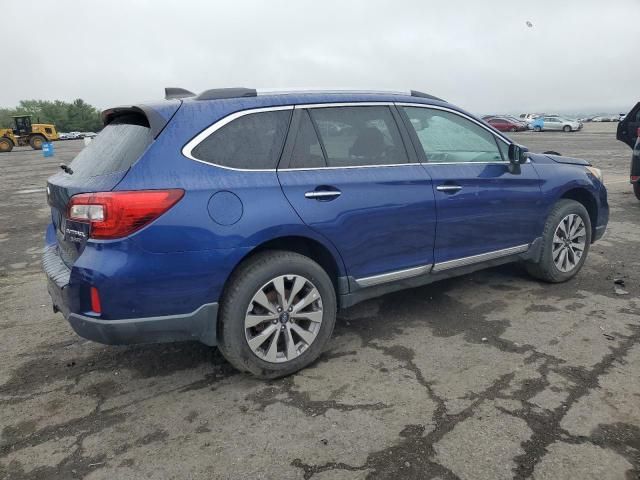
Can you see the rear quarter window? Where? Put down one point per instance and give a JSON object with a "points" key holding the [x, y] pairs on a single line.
{"points": [[253, 141], [115, 149]]}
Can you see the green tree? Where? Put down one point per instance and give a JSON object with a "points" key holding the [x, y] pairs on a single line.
{"points": [[67, 117]]}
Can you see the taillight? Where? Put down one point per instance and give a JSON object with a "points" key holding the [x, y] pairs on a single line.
{"points": [[118, 214], [95, 300], [634, 178]]}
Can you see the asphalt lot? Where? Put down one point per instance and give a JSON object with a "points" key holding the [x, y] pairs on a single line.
{"points": [[487, 376]]}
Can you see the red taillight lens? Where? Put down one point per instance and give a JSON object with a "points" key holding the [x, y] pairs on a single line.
{"points": [[634, 178], [118, 214], [95, 300]]}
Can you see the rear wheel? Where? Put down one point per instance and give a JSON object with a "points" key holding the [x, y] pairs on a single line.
{"points": [[565, 243], [537, 129], [36, 142], [636, 190], [277, 314], [6, 145], [566, 128], [513, 129]]}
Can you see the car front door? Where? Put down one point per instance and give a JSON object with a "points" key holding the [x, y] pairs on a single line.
{"points": [[552, 123], [628, 128], [349, 176], [483, 210]]}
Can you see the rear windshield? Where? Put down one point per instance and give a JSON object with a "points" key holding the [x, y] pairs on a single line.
{"points": [[115, 149]]}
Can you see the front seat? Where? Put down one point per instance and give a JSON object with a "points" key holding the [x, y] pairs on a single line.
{"points": [[368, 144]]}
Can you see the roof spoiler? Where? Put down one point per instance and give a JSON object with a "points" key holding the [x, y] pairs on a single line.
{"points": [[416, 93], [172, 93], [156, 121]]}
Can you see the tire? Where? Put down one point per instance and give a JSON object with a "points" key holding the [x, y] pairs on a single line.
{"points": [[636, 190], [6, 145], [566, 128], [36, 142], [537, 129], [546, 268], [258, 276], [513, 129]]}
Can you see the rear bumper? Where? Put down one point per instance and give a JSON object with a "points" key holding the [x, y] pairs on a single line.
{"points": [[199, 325]]}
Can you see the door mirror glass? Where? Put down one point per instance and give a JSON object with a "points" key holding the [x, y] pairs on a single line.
{"points": [[517, 154]]}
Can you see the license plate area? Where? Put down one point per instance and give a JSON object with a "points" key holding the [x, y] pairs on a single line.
{"points": [[74, 231]]}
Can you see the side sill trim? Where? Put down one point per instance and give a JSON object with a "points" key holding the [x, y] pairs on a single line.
{"points": [[483, 257], [391, 276]]}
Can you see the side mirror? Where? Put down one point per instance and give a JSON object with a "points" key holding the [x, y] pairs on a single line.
{"points": [[517, 156]]}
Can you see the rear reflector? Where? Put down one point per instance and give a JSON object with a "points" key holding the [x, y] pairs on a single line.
{"points": [[95, 300], [118, 214]]}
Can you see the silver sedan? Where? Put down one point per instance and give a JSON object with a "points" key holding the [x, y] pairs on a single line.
{"points": [[556, 123]]}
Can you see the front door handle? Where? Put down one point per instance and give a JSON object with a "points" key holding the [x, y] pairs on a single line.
{"points": [[449, 188], [323, 195]]}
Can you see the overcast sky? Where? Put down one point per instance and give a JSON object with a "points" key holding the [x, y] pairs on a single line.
{"points": [[579, 55]]}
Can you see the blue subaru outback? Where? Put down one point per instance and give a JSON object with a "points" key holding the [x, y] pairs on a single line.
{"points": [[245, 220]]}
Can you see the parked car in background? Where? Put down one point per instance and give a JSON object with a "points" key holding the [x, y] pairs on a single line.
{"points": [[262, 214], [63, 136], [629, 133], [601, 119], [548, 123], [89, 134], [505, 124]]}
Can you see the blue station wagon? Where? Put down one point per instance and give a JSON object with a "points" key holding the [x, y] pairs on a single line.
{"points": [[245, 220]]}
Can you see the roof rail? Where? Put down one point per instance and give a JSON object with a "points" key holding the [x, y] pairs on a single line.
{"points": [[171, 93], [220, 93], [416, 93]]}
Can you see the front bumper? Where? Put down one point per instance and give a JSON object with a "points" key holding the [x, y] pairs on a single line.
{"points": [[199, 325]]}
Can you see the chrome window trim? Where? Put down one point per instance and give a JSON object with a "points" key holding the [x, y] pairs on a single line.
{"points": [[195, 141], [391, 276], [450, 110], [482, 257]]}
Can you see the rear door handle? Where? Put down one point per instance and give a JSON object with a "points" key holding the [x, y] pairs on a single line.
{"points": [[449, 188], [323, 194]]}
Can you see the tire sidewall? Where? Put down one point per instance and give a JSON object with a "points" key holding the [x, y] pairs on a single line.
{"points": [[233, 343], [564, 208]]}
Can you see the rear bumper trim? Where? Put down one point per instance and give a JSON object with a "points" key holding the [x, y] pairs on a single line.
{"points": [[199, 325]]}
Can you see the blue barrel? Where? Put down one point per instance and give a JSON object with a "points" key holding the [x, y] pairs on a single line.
{"points": [[47, 149]]}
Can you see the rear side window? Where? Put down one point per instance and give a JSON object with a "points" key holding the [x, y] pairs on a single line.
{"points": [[115, 149], [359, 136], [307, 152], [253, 141]]}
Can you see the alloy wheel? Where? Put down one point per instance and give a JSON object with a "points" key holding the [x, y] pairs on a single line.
{"points": [[283, 318], [569, 241]]}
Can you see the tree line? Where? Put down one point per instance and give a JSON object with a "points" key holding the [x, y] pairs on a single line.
{"points": [[76, 116]]}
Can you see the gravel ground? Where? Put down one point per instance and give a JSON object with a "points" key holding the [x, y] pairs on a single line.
{"points": [[491, 375]]}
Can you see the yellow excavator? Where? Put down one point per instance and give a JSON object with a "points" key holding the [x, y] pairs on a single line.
{"points": [[26, 133]]}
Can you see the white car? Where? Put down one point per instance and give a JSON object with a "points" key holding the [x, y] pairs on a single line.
{"points": [[556, 123]]}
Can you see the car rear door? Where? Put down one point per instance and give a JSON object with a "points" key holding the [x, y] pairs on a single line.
{"points": [[483, 210], [349, 175], [628, 128]]}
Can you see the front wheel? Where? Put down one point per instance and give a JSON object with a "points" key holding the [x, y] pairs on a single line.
{"points": [[567, 128], [6, 145], [636, 190], [565, 243], [537, 129], [277, 314]]}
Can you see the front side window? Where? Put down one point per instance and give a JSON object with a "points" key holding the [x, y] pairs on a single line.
{"points": [[359, 136], [450, 138], [253, 141]]}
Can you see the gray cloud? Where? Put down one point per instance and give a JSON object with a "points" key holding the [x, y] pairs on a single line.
{"points": [[579, 55]]}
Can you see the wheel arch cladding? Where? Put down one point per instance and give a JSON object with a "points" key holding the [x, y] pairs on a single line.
{"points": [[586, 198], [306, 246]]}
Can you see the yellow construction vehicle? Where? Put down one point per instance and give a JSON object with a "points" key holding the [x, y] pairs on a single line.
{"points": [[25, 133]]}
